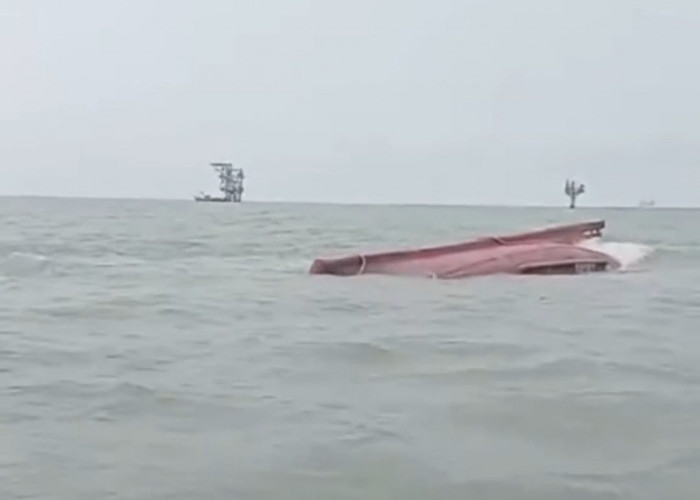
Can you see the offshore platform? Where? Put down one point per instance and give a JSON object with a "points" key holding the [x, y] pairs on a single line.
{"points": [[230, 184], [573, 191]]}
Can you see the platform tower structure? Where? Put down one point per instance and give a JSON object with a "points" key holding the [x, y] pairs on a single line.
{"points": [[573, 191], [230, 184], [230, 181]]}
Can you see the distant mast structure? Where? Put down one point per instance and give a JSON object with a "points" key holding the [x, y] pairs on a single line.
{"points": [[573, 191], [230, 184]]}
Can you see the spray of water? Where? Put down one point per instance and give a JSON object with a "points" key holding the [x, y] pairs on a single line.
{"points": [[628, 254]]}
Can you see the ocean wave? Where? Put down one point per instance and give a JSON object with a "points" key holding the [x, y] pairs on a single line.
{"points": [[23, 263], [629, 254]]}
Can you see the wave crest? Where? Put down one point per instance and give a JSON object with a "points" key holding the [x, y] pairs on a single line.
{"points": [[628, 254]]}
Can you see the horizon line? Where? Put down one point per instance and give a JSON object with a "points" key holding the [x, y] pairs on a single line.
{"points": [[351, 203]]}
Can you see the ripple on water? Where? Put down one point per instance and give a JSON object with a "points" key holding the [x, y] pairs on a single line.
{"points": [[23, 264], [178, 350]]}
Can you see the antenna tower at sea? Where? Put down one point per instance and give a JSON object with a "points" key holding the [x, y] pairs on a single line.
{"points": [[230, 184], [573, 191]]}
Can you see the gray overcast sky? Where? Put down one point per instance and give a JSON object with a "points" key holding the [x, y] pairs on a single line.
{"points": [[433, 101]]}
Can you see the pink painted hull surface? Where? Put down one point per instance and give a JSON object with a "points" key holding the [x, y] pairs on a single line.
{"points": [[548, 251]]}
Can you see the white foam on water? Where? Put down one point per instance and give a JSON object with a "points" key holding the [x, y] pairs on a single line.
{"points": [[626, 253], [27, 256], [21, 263]]}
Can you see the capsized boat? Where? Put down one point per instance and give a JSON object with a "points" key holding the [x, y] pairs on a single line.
{"points": [[553, 250]]}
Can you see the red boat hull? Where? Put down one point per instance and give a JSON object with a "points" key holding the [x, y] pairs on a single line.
{"points": [[549, 251]]}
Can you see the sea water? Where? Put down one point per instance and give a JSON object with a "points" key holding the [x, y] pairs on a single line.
{"points": [[179, 350], [628, 254]]}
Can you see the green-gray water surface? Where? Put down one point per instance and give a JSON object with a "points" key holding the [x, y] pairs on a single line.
{"points": [[179, 350]]}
